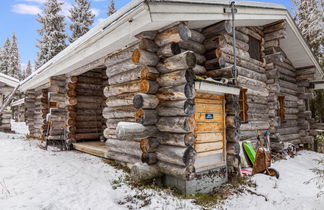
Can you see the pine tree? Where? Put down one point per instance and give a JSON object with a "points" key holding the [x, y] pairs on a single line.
{"points": [[52, 32], [111, 8], [81, 17], [5, 52], [2, 58], [14, 61], [310, 21], [28, 69]]}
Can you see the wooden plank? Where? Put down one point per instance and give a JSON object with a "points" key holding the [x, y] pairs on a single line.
{"points": [[210, 153], [209, 137], [208, 101], [210, 146], [209, 96], [206, 108], [96, 148], [209, 127]]}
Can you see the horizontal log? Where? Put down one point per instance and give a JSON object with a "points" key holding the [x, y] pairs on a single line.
{"points": [[176, 155], [198, 69], [143, 172], [221, 40], [215, 29], [261, 125], [141, 72], [119, 112], [142, 57], [216, 63], [87, 124], [121, 67], [169, 50], [174, 34], [279, 25], [112, 123], [89, 86], [181, 92], [145, 101], [183, 60], [142, 86], [122, 157], [175, 139], [121, 100], [185, 173], [149, 145], [176, 78], [126, 147], [119, 57], [176, 108], [175, 124], [146, 116], [90, 80], [89, 99], [148, 45], [193, 46], [127, 130], [88, 136]]}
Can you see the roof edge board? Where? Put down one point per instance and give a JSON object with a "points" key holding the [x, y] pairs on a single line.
{"points": [[44, 72]]}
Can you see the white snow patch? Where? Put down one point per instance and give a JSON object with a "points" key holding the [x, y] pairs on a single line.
{"points": [[19, 127], [288, 192], [32, 178]]}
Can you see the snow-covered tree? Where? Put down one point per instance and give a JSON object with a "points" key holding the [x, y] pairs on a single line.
{"points": [[309, 17], [111, 8], [52, 32], [14, 61], [28, 70], [310, 21], [4, 53], [81, 17]]}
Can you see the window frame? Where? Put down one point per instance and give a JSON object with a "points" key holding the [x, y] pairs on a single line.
{"points": [[281, 112], [259, 56], [243, 106]]}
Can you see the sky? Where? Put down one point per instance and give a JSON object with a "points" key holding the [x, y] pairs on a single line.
{"points": [[19, 17]]}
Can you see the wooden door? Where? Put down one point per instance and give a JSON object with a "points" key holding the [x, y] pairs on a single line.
{"points": [[209, 130]]}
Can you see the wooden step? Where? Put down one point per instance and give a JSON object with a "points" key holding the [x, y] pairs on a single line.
{"points": [[96, 148]]}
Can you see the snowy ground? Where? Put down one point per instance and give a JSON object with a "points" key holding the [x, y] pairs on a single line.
{"points": [[32, 178]]}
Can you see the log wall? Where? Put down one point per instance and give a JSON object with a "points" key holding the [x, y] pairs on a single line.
{"points": [[36, 111], [293, 84], [176, 153], [56, 107], [87, 112], [131, 71]]}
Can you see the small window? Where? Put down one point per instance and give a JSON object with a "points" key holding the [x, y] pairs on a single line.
{"points": [[254, 48], [243, 106], [281, 110]]}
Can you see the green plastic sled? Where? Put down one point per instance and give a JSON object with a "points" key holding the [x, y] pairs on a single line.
{"points": [[249, 151]]}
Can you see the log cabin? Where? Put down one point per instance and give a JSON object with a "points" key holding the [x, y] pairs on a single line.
{"points": [[178, 84], [7, 86]]}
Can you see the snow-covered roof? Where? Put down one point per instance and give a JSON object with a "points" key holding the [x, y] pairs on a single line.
{"points": [[8, 80], [17, 102], [118, 31]]}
